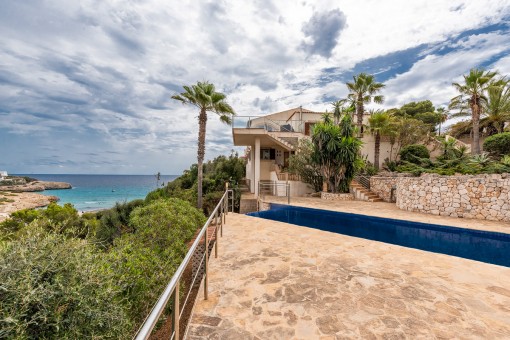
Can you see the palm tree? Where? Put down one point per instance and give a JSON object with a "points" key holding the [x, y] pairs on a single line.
{"points": [[443, 117], [341, 107], [337, 109], [203, 95], [472, 96], [496, 110], [379, 124], [362, 91]]}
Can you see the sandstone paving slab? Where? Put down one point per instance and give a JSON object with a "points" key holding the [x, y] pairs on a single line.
{"points": [[274, 280]]}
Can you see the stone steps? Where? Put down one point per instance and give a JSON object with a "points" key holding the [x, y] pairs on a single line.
{"points": [[363, 194]]}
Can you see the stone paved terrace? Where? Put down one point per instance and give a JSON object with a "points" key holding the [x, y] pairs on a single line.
{"points": [[274, 280]]}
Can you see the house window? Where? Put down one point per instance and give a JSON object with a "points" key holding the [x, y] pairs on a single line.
{"points": [[267, 154]]}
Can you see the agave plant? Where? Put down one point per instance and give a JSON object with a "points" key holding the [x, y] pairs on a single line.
{"points": [[481, 159]]}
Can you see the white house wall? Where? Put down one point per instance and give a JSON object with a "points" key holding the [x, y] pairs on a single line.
{"points": [[368, 149]]}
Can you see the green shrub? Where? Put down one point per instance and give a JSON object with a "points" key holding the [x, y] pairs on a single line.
{"points": [[115, 221], [505, 160], [52, 287], [498, 145], [414, 153], [63, 220], [143, 262]]}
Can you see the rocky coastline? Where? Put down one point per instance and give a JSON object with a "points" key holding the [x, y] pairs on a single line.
{"points": [[21, 194], [11, 202], [36, 186]]}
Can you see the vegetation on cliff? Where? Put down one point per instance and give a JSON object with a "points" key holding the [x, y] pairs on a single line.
{"points": [[98, 275]]}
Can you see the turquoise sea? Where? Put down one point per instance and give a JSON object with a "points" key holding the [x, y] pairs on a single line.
{"points": [[92, 192]]}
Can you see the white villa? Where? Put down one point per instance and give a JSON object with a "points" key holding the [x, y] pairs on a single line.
{"points": [[271, 139], [3, 174]]}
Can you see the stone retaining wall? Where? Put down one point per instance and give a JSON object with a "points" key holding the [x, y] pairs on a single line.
{"points": [[382, 186], [471, 196], [336, 197]]}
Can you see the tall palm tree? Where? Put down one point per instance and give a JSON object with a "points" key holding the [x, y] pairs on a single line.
{"points": [[472, 96], [379, 124], [337, 109], [362, 91], [203, 95], [443, 117], [496, 110]]}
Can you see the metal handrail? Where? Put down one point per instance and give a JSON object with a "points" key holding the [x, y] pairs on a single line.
{"points": [[273, 187], [172, 288], [364, 181]]}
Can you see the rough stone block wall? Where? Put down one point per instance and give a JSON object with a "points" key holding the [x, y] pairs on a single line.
{"points": [[248, 205], [381, 186], [336, 197], [470, 196]]}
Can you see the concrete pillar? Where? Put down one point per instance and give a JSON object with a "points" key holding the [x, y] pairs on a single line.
{"points": [[257, 166], [252, 179]]}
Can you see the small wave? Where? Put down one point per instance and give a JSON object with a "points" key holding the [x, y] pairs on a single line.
{"points": [[91, 202]]}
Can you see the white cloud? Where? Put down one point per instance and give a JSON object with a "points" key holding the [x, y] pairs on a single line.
{"points": [[108, 68]]}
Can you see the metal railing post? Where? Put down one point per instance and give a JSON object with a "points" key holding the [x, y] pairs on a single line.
{"points": [[175, 315], [222, 215], [288, 193], [232, 191], [216, 235], [226, 189], [206, 275]]}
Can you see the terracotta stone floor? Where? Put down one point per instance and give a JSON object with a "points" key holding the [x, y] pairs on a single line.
{"points": [[274, 280]]}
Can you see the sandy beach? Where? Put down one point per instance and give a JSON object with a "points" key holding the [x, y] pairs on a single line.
{"points": [[11, 202]]}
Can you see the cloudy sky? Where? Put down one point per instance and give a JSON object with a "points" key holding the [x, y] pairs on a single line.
{"points": [[85, 85]]}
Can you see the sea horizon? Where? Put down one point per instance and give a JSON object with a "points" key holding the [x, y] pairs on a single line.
{"points": [[101, 191]]}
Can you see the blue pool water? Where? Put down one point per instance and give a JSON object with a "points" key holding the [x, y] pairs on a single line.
{"points": [[484, 246], [93, 192]]}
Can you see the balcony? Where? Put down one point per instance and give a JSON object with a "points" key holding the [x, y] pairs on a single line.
{"points": [[269, 125]]}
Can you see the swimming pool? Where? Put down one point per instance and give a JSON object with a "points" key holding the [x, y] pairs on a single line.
{"points": [[484, 246]]}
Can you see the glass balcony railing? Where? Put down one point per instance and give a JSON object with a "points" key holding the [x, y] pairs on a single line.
{"points": [[270, 125]]}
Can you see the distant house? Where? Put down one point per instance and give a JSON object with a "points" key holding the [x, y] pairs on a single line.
{"points": [[3, 174]]}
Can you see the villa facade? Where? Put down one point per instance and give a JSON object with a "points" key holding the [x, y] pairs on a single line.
{"points": [[270, 140]]}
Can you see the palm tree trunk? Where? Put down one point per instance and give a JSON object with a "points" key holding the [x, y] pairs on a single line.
{"points": [[359, 114], [202, 121], [377, 149], [475, 144]]}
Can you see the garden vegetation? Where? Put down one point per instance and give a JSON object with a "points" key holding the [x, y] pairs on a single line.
{"points": [[66, 276]]}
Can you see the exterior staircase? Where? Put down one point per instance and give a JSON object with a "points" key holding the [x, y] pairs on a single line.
{"points": [[244, 185], [363, 194], [281, 141]]}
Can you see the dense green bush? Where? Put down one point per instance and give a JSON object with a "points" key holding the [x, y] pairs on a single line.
{"points": [[414, 153], [55, 218], [115, 221], [143, 262], [53, 287], [498, 145]]}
